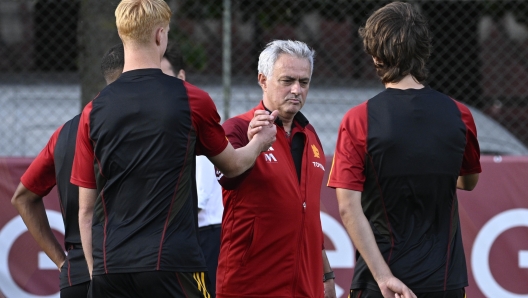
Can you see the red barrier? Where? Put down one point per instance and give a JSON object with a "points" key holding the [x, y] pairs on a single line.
{"points": [[494, 219]]}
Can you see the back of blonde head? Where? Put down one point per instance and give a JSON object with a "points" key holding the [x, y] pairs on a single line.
{"points": [[136, 19]]}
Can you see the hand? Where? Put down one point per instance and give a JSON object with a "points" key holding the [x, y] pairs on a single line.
{"points": [[329, 288], [261, 118], [266, 136], [395, 288]]}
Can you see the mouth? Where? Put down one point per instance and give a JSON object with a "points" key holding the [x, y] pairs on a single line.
{"points": [[294, 100]]}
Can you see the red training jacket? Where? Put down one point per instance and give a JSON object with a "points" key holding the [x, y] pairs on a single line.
{"points": [[271, 227]]}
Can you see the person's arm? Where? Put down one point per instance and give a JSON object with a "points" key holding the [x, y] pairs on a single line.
{"points": [[87, 197], [33, 213], [467, 182], [329, 283], [362, 236], [233, 162], [468, 176]]}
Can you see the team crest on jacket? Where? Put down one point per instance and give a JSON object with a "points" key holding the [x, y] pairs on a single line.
{"points": [[315, 151]]}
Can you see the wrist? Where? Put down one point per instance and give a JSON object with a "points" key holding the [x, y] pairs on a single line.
{"points": [[329, 275]]}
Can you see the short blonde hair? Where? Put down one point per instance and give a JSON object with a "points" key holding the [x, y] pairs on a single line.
{"points": [[135, 19]]}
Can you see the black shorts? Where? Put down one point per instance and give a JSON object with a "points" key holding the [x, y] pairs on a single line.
{"points": [[210, 242], [366, 293], [151, 284], [76, 291]]}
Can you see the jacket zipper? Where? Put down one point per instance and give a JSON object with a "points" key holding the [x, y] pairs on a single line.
{"points": [[301, 237]]}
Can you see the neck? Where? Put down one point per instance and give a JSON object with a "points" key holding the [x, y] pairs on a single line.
{"points": [[408, 82], [139, 57], [287, 124]]}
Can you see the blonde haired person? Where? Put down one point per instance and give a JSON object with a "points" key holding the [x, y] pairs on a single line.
{"points": [[136, 19], [134, 165]]}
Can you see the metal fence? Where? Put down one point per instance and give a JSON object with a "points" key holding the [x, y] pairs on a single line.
{"points": [[50, 52]]}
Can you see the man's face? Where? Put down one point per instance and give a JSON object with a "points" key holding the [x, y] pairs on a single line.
{"points": [[287, 88]]}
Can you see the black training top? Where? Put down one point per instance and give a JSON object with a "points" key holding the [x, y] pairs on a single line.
{"points": [[404, 150], [136, 144], [53, 166]]}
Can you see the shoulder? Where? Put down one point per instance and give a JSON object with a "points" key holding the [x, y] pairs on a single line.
{"points": [[193, 91], [311, 129], [236, 123], [358, 112], [464, 110], [73, 122], [240, 120]]}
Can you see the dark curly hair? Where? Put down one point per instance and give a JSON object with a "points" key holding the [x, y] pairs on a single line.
{"points": [[397, 35]]}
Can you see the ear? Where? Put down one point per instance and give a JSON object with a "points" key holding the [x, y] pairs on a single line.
{"points": [[181, 75], [263, 81], [159, 35]]}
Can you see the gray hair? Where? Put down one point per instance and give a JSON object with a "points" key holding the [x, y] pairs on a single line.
{"points": [[271, 53]]}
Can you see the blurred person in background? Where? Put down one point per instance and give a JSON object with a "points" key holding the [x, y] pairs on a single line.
{"points": [[172, 62], [53, 166]]}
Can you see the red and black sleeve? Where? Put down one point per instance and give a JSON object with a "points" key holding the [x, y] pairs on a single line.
{"points": [[40, 176], [210, 140], [83, 174], [351, 148], [236, 132], [471, 161]]}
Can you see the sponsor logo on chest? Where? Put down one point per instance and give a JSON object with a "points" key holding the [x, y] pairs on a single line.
{"points": [[318, 165], [269, 157]]}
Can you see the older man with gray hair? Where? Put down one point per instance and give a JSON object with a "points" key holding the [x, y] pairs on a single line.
{"points": [[272, 240]]}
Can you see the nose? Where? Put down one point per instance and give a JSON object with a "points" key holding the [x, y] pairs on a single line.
{"points": [[296, 88]]}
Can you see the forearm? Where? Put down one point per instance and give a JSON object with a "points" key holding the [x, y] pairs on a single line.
{"points": [[326, 263], [329, 283], [85, 227], [246, 157], [467, 182], [362, 236], [33, 214], [86, 205], [234, 162]]}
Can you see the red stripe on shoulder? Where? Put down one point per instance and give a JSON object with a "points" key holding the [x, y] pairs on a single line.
{"points": [[206, 121], [471, 161], [348, 164], [83, 169], [40, 176]]}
